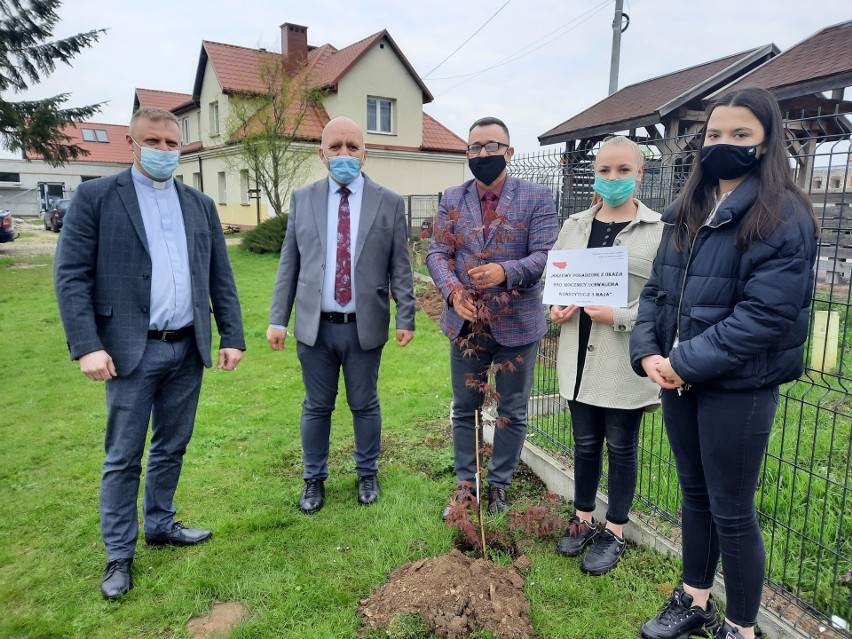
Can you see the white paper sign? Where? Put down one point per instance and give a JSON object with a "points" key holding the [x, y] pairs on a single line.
{"points": [[587, 276]]}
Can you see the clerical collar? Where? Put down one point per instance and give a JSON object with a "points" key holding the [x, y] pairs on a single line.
{"points": [[144, 180]]}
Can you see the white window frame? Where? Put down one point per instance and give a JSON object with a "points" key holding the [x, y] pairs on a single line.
{"points": [[244, 187], [184, 126], [196, 180], [223, 188], [380, 127], [214, 117]]}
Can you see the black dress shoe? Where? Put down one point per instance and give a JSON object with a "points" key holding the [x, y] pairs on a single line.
{"points": [[117, 578], [178, 535], [368, 490], [496, 500], [313, 496]]}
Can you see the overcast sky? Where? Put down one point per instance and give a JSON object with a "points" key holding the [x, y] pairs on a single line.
{"points": [[553, 55]]}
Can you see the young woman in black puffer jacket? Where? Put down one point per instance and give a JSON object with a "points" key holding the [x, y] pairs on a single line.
{"points": [[722, 322]]}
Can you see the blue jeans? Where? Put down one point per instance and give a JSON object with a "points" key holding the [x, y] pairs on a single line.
{"points": [[620, 428], [164, 389], [337, 347], [718, 438], [514, 389]]}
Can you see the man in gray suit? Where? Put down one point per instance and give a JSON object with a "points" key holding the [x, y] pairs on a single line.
{"points": [[344, 255], [139, 265]]}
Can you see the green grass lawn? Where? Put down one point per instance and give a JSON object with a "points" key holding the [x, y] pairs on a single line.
{"points": [[298, 576]]}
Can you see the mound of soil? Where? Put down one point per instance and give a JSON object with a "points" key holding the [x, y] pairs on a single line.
{"points": [[429, 299], [455, 596]]}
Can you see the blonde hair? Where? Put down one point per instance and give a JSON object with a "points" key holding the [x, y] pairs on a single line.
{"points": [[618, 139], [621, 139]]}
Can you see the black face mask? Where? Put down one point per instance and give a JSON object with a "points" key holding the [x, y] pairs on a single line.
{"points": [[487, 169], [728, 161]]}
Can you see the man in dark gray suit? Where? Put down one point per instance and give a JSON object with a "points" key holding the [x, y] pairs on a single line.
{"points": [[139, 265], [344, 255]]}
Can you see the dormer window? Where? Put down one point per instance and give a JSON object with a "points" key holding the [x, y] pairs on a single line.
{"points": [[95, 135]]}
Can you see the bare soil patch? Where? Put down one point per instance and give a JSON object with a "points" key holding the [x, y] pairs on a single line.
{"points": [[455, 596], [32, 240], [219, 622], [429, 299]]}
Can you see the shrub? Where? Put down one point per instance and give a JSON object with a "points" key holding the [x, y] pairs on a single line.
{"points": [[266, 237]]}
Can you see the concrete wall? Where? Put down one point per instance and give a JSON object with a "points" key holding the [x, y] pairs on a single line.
{"points": [[22, 200]]}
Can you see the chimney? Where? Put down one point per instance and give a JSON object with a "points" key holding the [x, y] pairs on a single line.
{"points": [[294, 46]]}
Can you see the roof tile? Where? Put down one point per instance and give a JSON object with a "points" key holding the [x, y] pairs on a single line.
{"points": [[824, 54], [167, 100], [643, 99], [436, 137], [114, 151]]}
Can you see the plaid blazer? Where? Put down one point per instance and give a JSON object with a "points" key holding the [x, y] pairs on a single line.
{"points": [[102, 273], [526, 228]]}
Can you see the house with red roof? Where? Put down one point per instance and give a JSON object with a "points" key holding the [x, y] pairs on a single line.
{"points": [[370, 81], [29, 185]]}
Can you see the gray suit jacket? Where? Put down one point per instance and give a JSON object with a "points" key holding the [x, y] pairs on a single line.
{"points": [[102, 273], [380, 260]]}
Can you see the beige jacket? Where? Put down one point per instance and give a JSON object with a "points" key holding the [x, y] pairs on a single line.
{"points": [[608, 380]]}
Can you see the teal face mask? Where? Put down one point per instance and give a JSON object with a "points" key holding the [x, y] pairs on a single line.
{"points": [[344, 168], [615, 192]]}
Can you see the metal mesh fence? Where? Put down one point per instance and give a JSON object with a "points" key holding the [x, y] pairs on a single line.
{"points": [[804, 498]]}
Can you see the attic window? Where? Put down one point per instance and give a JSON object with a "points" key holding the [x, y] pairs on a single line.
{"points": [[380, 117], [95, 135]]}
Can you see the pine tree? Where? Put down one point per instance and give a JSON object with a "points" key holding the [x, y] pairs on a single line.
{"points": [[27, 53]]}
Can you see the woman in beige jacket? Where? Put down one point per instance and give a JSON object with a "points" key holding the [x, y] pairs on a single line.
{"points": [[605, 396]]}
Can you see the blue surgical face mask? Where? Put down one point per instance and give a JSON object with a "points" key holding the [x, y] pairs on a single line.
{"points": [[344, 168], [158, 164], [615, 192]]}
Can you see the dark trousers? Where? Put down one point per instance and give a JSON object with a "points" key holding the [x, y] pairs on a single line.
{"points": [[513, 388], [718, 438], [620, 428], [337, 347], [164, 389]]}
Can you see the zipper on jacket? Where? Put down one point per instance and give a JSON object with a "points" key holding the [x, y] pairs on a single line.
{"points": [[686, 271]]}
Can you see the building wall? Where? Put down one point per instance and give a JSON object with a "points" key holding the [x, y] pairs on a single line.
{"points": [[211, 92], [839, 178], [23, 200], [379, 73], [406, 173]]}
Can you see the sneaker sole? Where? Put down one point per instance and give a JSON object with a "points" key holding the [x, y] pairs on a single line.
{"points": [[702, 632]]}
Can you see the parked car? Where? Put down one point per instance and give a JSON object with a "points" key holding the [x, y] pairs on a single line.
{"points": [[54, 216], [7, 227]]}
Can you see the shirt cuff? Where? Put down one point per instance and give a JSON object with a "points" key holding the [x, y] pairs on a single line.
{"points": [[278, 326]]}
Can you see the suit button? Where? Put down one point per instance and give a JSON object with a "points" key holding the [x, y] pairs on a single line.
{"points": [[590, 348], [144, 276], [144, 309]]}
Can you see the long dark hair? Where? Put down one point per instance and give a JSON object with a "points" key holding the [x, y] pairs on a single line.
{"points": [[774, 178]]}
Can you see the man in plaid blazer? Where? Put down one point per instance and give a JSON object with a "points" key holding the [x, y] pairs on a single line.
{"points": [[489, 248], [139, 266]]}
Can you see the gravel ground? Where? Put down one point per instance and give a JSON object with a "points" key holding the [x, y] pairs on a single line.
{"points": [[33, 239]]}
